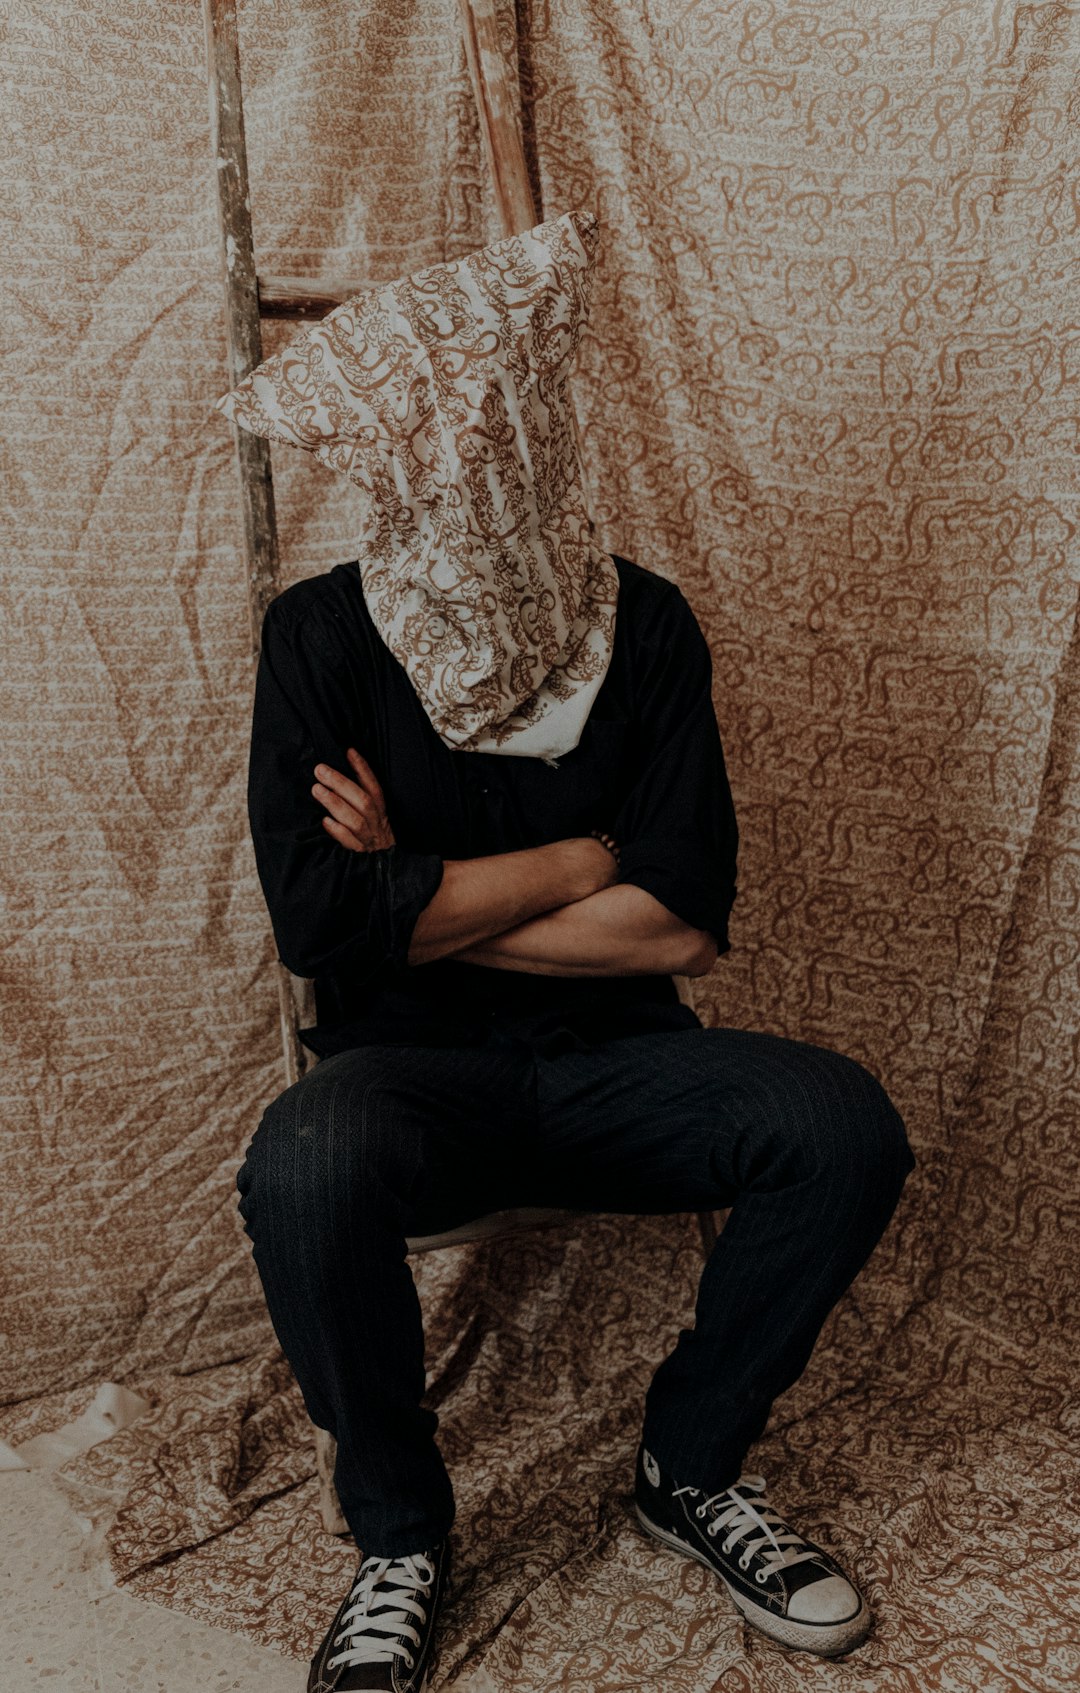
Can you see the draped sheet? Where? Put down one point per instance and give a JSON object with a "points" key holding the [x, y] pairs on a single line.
{"points": [[830, 385]]}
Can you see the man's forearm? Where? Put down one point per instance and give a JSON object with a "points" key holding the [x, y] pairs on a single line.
{"points": [[620, 931], [481, 897]]}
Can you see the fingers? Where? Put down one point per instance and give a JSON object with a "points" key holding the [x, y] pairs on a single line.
{"points": [[345, 836], [368, 778], [356, 816], [357, 808], [356, 795]]}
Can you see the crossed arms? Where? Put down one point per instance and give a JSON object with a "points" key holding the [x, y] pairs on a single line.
{"points": [[350, 902], [554, 910]]}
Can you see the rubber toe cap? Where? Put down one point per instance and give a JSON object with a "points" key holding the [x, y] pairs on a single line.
{"points": [[830, 1600]]}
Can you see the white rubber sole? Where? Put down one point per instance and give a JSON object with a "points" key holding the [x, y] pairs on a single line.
{"points": [[828, 1640]]}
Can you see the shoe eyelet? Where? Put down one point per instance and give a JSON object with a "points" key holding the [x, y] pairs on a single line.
{"points": [[700, 1512], [761, 1576], [744, 1564], [712, 1528]]}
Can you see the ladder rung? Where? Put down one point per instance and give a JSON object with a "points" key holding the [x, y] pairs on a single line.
{"points": [[306, 296]]}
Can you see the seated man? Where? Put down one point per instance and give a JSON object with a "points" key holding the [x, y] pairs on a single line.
{"points": [[493, 940]]}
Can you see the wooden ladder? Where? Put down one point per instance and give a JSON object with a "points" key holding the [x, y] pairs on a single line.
{"points": [[248, 299]]}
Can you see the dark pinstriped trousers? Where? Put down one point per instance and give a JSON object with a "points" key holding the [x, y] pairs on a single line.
{"points": [[382, 1142]]}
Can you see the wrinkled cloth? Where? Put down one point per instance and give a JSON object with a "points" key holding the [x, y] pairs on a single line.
{"points": [[649, 770], [827, 387], [443, 397]]}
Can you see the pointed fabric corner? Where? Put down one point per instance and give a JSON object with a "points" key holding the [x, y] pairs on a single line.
{"points": [[443, 396]]}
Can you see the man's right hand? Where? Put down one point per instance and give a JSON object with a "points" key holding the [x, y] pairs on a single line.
{"points": [[356, 805]]}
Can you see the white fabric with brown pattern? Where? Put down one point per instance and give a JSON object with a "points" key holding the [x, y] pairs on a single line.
{"points": [[443, 396]]}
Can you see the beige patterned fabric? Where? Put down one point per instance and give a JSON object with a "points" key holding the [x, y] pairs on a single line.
{"points": [[829, 385], [443, 397]]}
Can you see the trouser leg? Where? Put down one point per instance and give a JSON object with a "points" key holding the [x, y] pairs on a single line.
{"points": [[805, 1146], [371, 1146]]}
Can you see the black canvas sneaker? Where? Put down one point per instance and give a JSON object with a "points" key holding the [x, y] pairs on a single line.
{"points": [[382, 1634], [780, 1581]]}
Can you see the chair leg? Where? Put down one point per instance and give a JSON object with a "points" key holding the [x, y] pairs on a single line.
{"points": [[329, 1507], [707, 1225]]}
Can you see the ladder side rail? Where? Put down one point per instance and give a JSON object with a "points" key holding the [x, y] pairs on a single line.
{"points": [[498, 104], [243, 330]]}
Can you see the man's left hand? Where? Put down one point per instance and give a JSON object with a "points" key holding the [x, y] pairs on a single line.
{"points": [[357, 807]]}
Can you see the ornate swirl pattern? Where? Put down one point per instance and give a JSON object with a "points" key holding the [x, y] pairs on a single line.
{"points": [[443, 397], [829, 384]]}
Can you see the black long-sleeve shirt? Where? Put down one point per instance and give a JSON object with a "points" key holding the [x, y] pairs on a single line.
{"points": [[649, 769]]}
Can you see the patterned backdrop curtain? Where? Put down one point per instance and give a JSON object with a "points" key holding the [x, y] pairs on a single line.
{"points": [[830, 385]]}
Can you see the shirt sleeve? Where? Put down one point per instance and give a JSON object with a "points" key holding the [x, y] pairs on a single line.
{"points": [[676, 828], [332, 910]]}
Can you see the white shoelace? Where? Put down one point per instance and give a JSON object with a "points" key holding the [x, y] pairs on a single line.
{"points": [[741, 1515], [383, 1583]]}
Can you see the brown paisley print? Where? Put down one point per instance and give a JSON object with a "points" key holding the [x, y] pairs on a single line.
{"points": [[443, 397], [830, 384]]}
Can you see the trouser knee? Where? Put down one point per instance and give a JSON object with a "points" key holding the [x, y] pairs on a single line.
{"points": [[839, 1133], [869, 1151], [330, 1148], [262, 1179]]}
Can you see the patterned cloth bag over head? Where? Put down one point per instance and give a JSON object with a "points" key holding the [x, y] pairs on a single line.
{"points": [[443, 396]]}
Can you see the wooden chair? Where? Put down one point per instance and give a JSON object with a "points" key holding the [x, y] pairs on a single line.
{"points": [[249, 298]]}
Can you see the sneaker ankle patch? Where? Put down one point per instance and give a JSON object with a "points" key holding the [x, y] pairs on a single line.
{"points": [[651, 1468]]}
